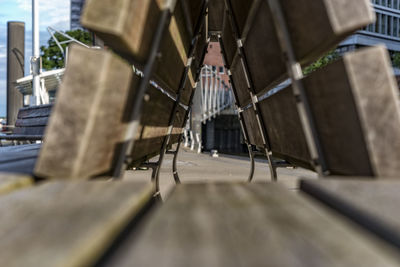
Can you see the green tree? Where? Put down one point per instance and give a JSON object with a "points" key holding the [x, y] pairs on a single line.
{"points": [[52, 56], [396, 60], [322, 62]]}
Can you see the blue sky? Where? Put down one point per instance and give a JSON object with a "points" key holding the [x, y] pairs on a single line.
{"points": [[53, 13]]}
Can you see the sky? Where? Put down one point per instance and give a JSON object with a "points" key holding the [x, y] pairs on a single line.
{"points": [[54, 13]]}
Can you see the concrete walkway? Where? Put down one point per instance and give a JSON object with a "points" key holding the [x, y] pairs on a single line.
{"points": [[204, 168]]}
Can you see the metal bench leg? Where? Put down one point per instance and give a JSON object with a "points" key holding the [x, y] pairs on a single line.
{"points": [[174, 164], [252, 163]]}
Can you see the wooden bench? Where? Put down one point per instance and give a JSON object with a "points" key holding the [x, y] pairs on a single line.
{"points": [[30, 125], [107, 118]]}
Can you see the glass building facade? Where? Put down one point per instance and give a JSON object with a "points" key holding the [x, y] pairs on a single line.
{"points": [[386, 29], [76, 10]]}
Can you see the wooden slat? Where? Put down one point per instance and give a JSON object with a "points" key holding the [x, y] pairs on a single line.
{"points": [[87, 120], [194, 8], [66, 224], [229, 41], [21, 137], [34, 130], [173, 52], [22, 164], [373, 204], [10, 182], [154, 124], [7, 156], [356, 111], [248, 225], [34, 112], [200, 47], [241, 10], [252, 127], [31, 122], [178, 125], [21, 148], [128, 26], [240, 81], [284, 128], [315, 28], [215, 15]]}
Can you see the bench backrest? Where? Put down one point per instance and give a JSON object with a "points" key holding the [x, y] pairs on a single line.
{"points": [[91, 117], [32, 120], [345, 98]]}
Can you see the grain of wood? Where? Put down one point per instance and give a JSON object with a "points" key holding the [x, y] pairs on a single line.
{"points": [[61, 224], [248, 225], [10, 182], [88, 118], [315, 28], [372, 204], [356, 116]]}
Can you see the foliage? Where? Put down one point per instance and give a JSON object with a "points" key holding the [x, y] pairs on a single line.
{"points": [[52, 56], [322, 62], [396, 60]]}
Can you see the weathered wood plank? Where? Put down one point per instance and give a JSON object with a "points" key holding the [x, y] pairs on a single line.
{"points": [[248, 225], [125, 25], [240, 80], [9, 155], [10, 182], [154, 124], [84, 131], [30, 122], [22, 165], [34, 112], [284, 128], [315, 29], [228, 41], [356, 111], [67, 224], [173, 52], [179, 124], [19, 137], [373, 204], [215, 15], [241, 10], [252, 127], [34, 130]]}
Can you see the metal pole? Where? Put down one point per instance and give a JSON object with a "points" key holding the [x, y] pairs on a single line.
{"points": [[35, 60], [15, 68]]}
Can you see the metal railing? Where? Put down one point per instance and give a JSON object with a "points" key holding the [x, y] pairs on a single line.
{"points": [[216, 96]]}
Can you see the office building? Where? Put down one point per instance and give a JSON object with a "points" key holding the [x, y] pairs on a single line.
{"points": [[76, 10], [386, 29]]}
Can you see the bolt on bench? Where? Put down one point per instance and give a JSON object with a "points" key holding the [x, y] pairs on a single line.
{"points": [[76, 216]]}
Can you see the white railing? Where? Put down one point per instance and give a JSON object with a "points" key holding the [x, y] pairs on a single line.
{"points": [[216, 96]]}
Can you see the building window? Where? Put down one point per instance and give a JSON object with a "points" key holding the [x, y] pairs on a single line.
{"points": [[221, 70]]}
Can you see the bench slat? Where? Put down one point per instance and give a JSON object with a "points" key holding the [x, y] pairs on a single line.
{"points": [[34, 130], [356, 114], [240, 81], [315, 29], [19, 137], [154, 124], [10, 182], [125, 25], [67, 224], [373, 204], [174, 53], [248, 225], [215, 15], [84, 132], [35, 112], [31, 122], [251, 124]]}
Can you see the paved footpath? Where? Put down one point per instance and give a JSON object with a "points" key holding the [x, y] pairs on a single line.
{"points": [[202, 167]]}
